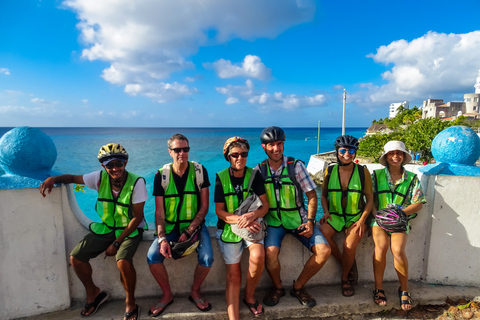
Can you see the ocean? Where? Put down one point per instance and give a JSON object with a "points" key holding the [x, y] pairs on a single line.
{"points": [[77, 150]]}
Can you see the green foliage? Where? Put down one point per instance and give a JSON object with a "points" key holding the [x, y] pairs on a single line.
{"points": [[79, 187], [417, 137]]}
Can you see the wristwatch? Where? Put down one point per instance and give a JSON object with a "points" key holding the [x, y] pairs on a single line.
{"points": [[116, 244], [161, 239], [312, 221]]}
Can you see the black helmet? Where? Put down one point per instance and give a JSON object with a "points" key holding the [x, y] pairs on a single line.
{"points": [[347, 142], [272, 134]]}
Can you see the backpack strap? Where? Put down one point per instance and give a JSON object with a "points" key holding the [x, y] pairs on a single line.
{"points": [[198, 175], [291, 163], [166, 175]]}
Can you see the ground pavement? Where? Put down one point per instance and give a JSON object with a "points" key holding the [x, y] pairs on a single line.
{"points": [[330, 304]]}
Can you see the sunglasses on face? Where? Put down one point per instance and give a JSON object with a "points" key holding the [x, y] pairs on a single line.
{"points": [[118, 164], [238, 154], [177, 150], [343, 151]]}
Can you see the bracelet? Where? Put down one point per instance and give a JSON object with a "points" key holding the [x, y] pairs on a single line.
{"points": [[188, 234], [161, 239]]}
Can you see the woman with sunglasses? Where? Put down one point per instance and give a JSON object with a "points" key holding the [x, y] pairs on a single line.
{"points": [[347, 199], [393, 186], [231, 188]]}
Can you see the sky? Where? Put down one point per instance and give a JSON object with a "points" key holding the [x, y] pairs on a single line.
{"points": [[230, 63]]}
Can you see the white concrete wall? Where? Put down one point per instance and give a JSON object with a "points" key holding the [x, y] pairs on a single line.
{"points": [[33, 266], [38, 233], [454, 251]]}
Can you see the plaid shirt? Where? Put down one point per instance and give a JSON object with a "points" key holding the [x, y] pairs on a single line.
{"points": [[303, 177]]}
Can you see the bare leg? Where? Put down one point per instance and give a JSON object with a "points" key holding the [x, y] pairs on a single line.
{"points": [[273, 265], [256, 265], [328, 232], [83, 270], [198, 277], [234, 282], [382, 241], [321, 253], [161, 276], [348, 255], [400, 262], [128, 277]]}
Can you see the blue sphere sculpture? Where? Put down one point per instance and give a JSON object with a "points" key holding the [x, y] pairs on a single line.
{"points": [[456, 145], [27, 151]]}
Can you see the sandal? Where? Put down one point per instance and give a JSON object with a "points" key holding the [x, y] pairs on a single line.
{"points": [[353, 274], [347, 289], [378, 297], [303, 297], [135, 312], [159, 305], [101, 298], [195, 301], [254, 306], [405, 302], [273, 296]]}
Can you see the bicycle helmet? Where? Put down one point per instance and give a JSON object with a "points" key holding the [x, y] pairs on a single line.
{"points": [[112, 150], [272, 134], [392, 220], [228, 143], [347, 141]]}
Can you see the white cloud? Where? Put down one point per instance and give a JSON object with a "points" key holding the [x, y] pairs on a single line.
{"points": [[42, 102], [267, 102], [160, 92], [5, 71], [435, 64], [251, 67], [145, 41]]}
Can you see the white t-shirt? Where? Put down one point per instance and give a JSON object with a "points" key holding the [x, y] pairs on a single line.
{"points": [[139, 195]]}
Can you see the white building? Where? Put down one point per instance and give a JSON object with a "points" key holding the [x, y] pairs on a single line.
{"points": [[394, 106]]}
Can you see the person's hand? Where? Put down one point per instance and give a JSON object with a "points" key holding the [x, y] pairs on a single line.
{"points": [[183, 237], [308, 232], [111, 251], [326, 215], [360, 228], [47, 186], [254, 227], [246, 219], [165, 249]]}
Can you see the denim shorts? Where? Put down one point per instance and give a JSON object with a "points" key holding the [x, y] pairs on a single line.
{"points": [[204, 249], [275, 237], [232, 251]]}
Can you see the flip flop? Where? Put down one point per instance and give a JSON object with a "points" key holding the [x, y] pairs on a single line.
{"points": [[128, 315], [254, 306], [159, 305], [195, 301], [101, 298]]}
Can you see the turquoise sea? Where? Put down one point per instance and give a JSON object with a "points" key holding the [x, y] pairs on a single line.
{"points": [[77, 150]]}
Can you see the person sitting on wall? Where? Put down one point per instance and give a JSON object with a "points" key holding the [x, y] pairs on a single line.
{"points": [[394, 187], [347, 199], [181, 204], [286, 181], [120, 203]]}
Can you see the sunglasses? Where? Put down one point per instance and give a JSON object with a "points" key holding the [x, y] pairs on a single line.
{"points": [[238, 154], [177, 150], [118, 164], [351, 151]]}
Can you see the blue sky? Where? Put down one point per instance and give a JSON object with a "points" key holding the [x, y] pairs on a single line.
{"points": [[222, 63]]}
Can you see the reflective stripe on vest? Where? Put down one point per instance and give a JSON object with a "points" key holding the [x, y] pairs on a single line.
{"points": [[117, 213], [287, 212], [385, 195], [353, 194], [231, 200], [181, 208]]}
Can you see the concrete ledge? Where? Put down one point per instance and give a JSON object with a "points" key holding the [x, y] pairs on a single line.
{"points": [[330, 303]]}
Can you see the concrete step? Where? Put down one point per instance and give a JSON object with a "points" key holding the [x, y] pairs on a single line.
{"points": [[330, 303]]}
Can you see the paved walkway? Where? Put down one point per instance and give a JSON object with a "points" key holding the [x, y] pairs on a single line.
{"points": [[330, 303]]}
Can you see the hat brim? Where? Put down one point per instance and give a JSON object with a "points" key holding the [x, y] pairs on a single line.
{"points": [[407, 158]]}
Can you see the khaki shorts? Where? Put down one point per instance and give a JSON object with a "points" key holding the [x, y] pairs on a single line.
{"points": [[94, 244]]}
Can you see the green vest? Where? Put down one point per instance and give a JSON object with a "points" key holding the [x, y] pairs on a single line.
{"points": [[231, 200], [284, 211], [181, 207], [345, 216], [386, 196], [117, 213]]}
